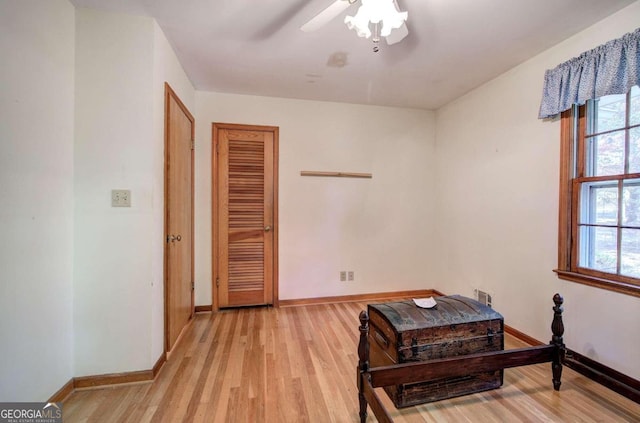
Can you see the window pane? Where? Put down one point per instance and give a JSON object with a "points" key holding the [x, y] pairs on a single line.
{"points": [[599, 203], [630, 257], [610, 113], [634, 150], [598, 248], [631, 202], [605, 155], [634, 111]]}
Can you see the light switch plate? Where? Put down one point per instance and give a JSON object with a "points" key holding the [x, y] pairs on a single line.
{"points": [[120, 198]]}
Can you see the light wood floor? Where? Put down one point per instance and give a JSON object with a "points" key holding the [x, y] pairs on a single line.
{"points": [[298, 364]]}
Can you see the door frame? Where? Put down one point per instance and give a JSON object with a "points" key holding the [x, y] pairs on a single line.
{"points": [[169, 94], [215, 126]]}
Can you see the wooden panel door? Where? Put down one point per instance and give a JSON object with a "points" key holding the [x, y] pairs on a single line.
{"points": [[179, 129], [245, 214]]}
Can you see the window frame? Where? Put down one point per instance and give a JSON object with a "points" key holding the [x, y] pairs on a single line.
{"points": [[572, 164]]}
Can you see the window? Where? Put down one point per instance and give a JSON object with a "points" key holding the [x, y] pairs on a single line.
{"points": [[599, 232]]}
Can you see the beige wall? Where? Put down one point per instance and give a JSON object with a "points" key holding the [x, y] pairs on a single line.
{"points": [[36, 191], [377, 227], [122, 63], [498, 206], [113, 150]]}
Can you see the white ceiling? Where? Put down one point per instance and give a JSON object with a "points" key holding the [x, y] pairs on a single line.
{"points": [[256, 46]]}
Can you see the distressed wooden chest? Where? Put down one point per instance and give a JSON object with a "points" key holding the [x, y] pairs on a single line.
{"points": [[401, 332]]}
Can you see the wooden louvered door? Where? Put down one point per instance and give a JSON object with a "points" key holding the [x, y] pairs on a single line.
{"points": [[245, 213]]}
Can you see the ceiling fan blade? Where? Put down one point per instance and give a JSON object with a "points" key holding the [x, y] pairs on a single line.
{"points": [[326, 15], [397, 35], [279, 21]]}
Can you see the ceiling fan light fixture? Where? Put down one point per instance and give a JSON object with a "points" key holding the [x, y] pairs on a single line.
{"points": [[359, 23], [376, 11]]}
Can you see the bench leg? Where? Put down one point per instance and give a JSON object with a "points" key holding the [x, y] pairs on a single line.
{"points": [[363, 362], [557, 327], [363, 407]]}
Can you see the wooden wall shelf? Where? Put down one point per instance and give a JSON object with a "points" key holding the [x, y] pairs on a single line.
{"points": [[336, 174]]}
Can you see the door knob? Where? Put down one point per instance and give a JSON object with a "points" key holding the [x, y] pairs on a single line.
{"points": [[267, 228], [171, 238]]}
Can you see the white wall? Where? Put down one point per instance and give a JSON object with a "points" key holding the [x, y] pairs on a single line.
{"points": [[36, 210], [498, 208], [113, 150], [121, 65], [380, 228]]}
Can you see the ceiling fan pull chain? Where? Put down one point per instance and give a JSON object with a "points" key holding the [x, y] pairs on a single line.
{"points": [[376, 37]]}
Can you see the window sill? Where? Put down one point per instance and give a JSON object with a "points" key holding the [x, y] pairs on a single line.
{"points": [[609, 285]]}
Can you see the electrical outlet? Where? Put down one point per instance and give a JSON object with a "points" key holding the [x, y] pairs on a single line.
{"points": [[343, 276], [350, 276], [120, 198]]}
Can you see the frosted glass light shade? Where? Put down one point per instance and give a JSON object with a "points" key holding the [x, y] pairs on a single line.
{"points": [[376, 11]]}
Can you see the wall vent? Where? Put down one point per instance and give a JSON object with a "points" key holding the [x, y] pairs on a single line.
{"points": [[482, 297]]}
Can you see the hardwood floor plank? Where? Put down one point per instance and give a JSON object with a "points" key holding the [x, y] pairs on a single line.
{"points": [[208, 352], [128, 405], [298, 364], [220, 344]]}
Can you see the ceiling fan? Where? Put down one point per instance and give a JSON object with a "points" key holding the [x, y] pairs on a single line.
{"points": [[383, 16]]}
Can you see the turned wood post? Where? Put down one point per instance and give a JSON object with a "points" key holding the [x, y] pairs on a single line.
{"points": [[557, 328], [363, 362]]}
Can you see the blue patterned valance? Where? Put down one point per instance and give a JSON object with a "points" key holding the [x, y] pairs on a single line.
{"points": [[612, 68]]}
